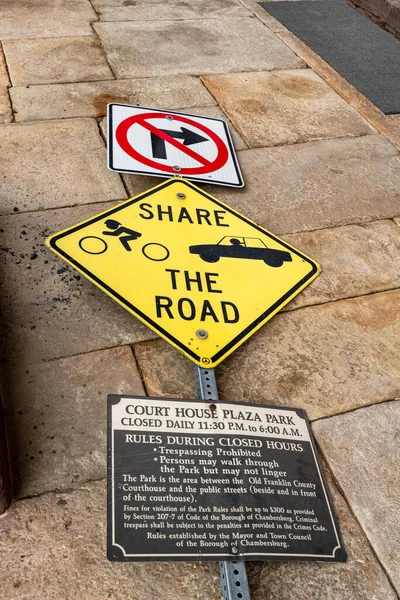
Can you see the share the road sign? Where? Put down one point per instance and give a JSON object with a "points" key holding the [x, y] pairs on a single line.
{"points": [[193, 269], [161, 143]]}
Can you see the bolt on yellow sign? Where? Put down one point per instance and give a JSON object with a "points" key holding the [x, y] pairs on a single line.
{"points": [[200, 274]]}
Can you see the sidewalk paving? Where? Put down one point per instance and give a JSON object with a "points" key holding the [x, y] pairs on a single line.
{"points": [[322, 169]]}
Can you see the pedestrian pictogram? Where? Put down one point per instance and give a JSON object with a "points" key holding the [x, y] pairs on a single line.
{"points": [[155, 142], [184, 262]]}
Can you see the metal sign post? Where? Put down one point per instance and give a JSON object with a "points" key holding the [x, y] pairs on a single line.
{"points": [[233, 573]]}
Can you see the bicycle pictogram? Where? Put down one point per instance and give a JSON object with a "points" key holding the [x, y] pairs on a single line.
{"points": [[92, 244]]}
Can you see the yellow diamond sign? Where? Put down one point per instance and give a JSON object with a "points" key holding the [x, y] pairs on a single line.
{"points": [[200, 274]]}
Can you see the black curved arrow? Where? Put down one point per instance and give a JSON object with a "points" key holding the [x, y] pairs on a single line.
{"points": [[189, 137]]}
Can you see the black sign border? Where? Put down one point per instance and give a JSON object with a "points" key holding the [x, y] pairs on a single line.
{"points": [[110, 147], [114, 399], [53, 244]]}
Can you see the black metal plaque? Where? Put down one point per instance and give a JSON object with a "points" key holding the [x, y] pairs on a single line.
{"points": [[189, 480]]}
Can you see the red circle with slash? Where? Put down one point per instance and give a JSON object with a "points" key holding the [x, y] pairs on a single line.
{"points": [[121, 135]]}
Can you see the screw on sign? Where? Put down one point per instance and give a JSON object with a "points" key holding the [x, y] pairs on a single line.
{"points": [[153, 142]]}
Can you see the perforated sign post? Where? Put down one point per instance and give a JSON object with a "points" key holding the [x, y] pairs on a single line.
{"points": [[199, 273], [155, 142]]}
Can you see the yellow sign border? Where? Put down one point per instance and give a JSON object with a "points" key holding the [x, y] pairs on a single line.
{"points": [[219, 356]]}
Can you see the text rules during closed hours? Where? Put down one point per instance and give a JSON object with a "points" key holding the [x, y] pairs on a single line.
{"points": [[199, 273], [192, 481]]}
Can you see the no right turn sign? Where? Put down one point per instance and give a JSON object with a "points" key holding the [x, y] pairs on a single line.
{"points": [[162, 143]]}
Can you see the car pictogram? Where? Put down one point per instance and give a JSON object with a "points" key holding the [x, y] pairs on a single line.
{"points": [[241, 247]]}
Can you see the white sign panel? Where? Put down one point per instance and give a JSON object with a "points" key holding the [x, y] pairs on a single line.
{"points": [[149, 141]]}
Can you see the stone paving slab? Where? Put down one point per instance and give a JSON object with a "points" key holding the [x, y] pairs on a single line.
{"points": [[261, 14], [165, 370], [326, 359], [167, 10], [54, 164], [56, 417], [91, 99], [5, 106], [49, 310], [61, 539], [363, 452], [54, 60], [355, 260], [284, 107], [353, 45], [318, 184], [360, 578], [383, 123], [311, 186], [54, 547], [210, 111], [20, 19], [151, 49]]}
